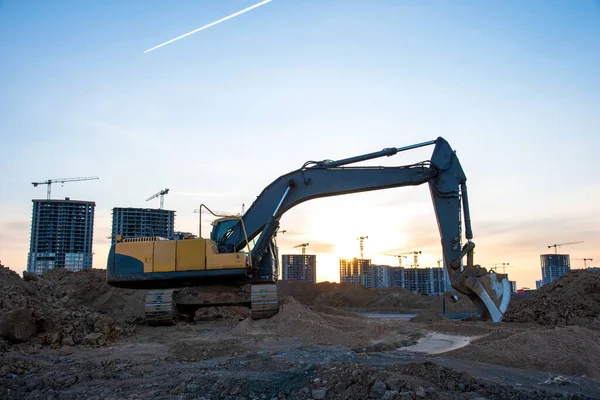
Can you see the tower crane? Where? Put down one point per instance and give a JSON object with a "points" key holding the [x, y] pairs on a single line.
{"points": [[405, 255], [585, 260], [49, 182], [303, 245], [162, 197], [362, 246], [561, 244], [503, 265]]}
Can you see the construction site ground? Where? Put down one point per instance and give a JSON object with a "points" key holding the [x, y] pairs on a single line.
{"points": [[70, 336]]}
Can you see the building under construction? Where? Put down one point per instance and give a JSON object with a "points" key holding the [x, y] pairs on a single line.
{"points": [[357, 270], [553, 266], [429, 281], [299, 267], [61, 235], [139, 222]]}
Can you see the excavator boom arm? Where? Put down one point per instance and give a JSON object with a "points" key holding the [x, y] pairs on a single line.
{"points": [[447, 184]]}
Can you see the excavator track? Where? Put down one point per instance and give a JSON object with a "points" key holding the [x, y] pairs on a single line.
{"points": [[264, 303], [159, 307]]}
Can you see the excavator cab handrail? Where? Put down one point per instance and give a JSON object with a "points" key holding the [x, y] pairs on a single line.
{"points": [[237, 217]]}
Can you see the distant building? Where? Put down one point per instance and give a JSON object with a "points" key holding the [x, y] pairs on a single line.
{"points": [[538, 284], [381, 275], [429, 281], [357, 270], [62, 234], [396, 276], [554, 266], [594, 269], [299, 267], [140, 222], [513, 286]]}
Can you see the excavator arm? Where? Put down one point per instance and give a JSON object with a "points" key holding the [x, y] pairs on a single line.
{"points": [[447, 183]]}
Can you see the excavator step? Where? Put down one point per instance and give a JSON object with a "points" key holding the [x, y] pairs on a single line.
{"points": [[264, 303], [159, 307]]}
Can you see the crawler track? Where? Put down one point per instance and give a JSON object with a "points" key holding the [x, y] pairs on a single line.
{"points": [[159, 307], [263, 300]]}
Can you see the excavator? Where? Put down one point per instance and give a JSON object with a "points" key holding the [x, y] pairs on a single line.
{"points": [[239, 264]]}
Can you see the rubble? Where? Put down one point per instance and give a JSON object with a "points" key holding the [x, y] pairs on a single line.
{"points": [[572, 299], [63, 307]]}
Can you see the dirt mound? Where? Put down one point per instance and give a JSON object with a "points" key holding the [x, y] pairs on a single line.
{"points": [[572, 350], [64, 308], [357, 297], [429, 316], [222, 312], [313, 327], [572, 299]]}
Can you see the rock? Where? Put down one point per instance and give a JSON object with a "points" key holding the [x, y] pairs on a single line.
{"points": [[192, 388], [420, 392], [377, 390], [390, 395], [461, 387], [450, 385], [93, 338], [29, 276], [235, 390], [305, 389], [52, 338], [395, 382], [340, 387], [405, 396], [319, 394], [68, 341], [18, 325], [65, 351]]}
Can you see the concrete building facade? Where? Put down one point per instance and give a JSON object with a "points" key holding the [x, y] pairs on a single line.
{"points": [[429, 281], [396, 276], [299, 267], [554, 266], [140, 222], [357, 270], [62, 233]]}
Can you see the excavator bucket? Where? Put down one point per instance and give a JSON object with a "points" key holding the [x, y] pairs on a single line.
{"points": [[488, 290]]}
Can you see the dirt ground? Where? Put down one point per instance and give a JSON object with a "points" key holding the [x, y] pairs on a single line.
{"points": [[315, 347]]}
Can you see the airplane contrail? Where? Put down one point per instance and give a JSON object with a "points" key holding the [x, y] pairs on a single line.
{"points": [[211, 24]]}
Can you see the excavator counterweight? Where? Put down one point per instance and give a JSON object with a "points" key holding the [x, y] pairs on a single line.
{"points": [[241, 249]]}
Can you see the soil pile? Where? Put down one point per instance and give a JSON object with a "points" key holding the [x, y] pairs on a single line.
{"points": [[64, 308], [357, 297], [572, 299], [571, 350], [314, 327]]}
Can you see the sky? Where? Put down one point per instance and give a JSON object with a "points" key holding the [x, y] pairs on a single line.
{"points": [[216, 116]]}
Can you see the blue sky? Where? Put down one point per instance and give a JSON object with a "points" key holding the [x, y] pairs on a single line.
{"points": [[216, 116]]}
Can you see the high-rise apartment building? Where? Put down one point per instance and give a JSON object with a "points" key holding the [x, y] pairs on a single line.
{"points": [[396, 276], [138, 222], [430, 281], [62, 233], [299, 267], [553, 266], [357, 270]]}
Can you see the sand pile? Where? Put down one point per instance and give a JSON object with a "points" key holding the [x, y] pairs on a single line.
{"points": [[313, 327], [572, 299], [571, 350], [64, 308], [357, 297]]}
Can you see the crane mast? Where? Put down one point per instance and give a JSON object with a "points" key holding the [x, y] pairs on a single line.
{"points": [[303, 245], [362, 245]]}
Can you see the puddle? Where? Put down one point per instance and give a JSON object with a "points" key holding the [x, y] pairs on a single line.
{"points": [[436, 343]]}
